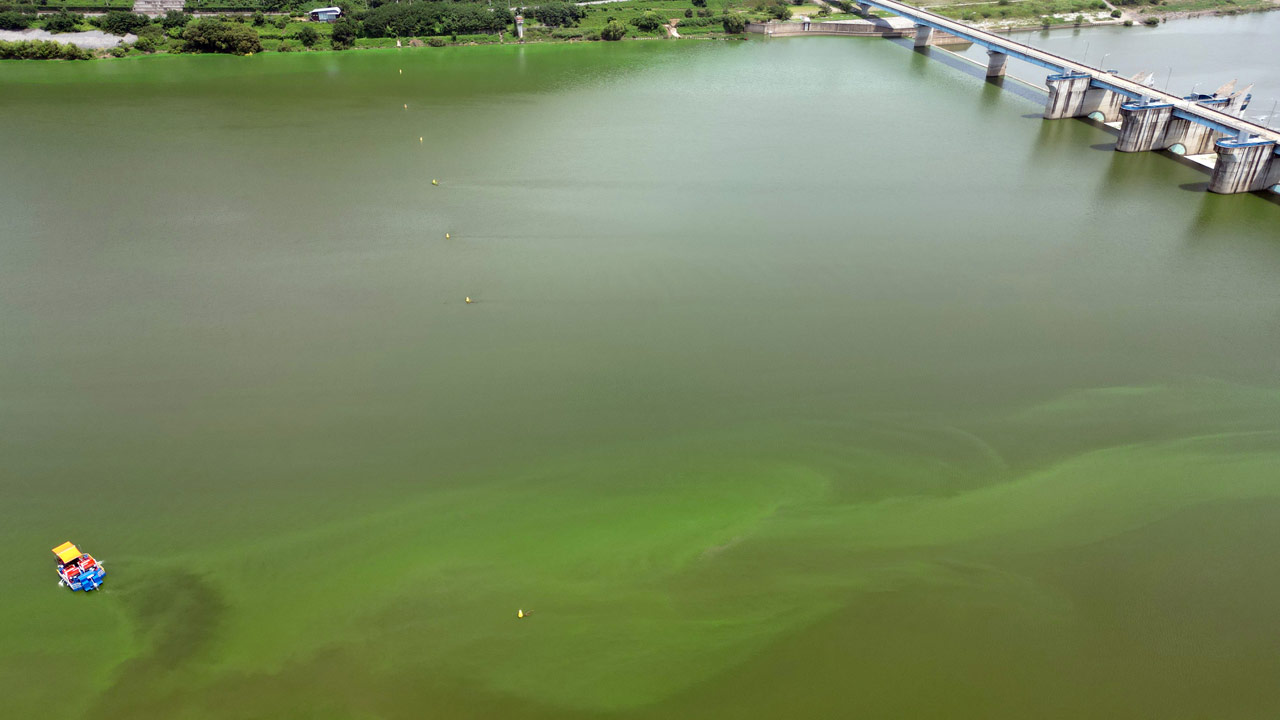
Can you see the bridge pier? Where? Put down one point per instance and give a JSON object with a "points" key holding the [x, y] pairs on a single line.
{"points": [[924, 34], [864, 10], [1066, 95], [1245, 166], [996, 62]]}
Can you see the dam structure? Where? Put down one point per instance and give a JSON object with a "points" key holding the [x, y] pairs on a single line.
{"points": [[1147, 118]]}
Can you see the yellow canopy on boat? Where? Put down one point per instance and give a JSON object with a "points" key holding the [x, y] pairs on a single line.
{"points": [[67, 552]]}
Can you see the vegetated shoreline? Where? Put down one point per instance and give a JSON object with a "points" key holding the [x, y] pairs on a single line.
{"points": [[546, 37], [1162, 16], [383, 48], [435, 23]]}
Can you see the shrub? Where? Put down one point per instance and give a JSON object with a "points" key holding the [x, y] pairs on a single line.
{"points": [[119, 51], [1151, 21], [119, 22], [145, 44], [259, 19], [344, 35], [153, 32], [41, 50], [734, 24], [436, 41], [13, 20], [612, 31], [1128, 23], [779, 11], [308, 36], [62, 22], [704, 13], [1115, 13], [688, 12], [700, 3], [434, 18], [174, 19], [558, 14], [648, 21], [284, 47], [1079, 20], [216, 36], [282, 23]]}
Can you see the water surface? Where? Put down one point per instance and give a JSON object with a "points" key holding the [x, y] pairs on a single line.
{"points": [[804, 378]]}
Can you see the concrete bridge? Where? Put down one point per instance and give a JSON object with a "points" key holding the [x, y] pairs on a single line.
{"points": [[1149, 119]]}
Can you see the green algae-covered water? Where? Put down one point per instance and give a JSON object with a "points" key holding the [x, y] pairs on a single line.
{"points": [[803, 378]]}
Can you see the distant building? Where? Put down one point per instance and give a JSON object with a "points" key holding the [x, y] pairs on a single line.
{"points": [[328, 14]]}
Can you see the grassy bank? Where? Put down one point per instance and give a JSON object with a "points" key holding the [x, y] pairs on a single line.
{"points": [[1029, 13]]}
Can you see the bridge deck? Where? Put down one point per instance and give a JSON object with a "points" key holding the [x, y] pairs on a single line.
{"points": [[1216, 119]]}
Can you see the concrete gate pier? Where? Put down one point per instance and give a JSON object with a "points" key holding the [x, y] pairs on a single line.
{"points": [[1245, 166], [1066, 95], [1142, 126], [1075, 95]]}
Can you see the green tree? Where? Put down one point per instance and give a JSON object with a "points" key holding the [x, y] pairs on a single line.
{"points": [[62, 22], [734, 24], [216, 36], [307, 35], [119, 22], [13, 20], [558, 14], [345, 32], [613, 31], [174, 19], [647, 21], [259, 19]]}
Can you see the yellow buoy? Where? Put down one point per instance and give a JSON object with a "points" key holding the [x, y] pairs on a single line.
{"points": [[520, 613], [402, 72], [419, 139], [446, 236], [406, 106], [469, 302], [435, 182]]}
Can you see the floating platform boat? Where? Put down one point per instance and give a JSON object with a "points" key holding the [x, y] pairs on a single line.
{"points": [[77, 570]]}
